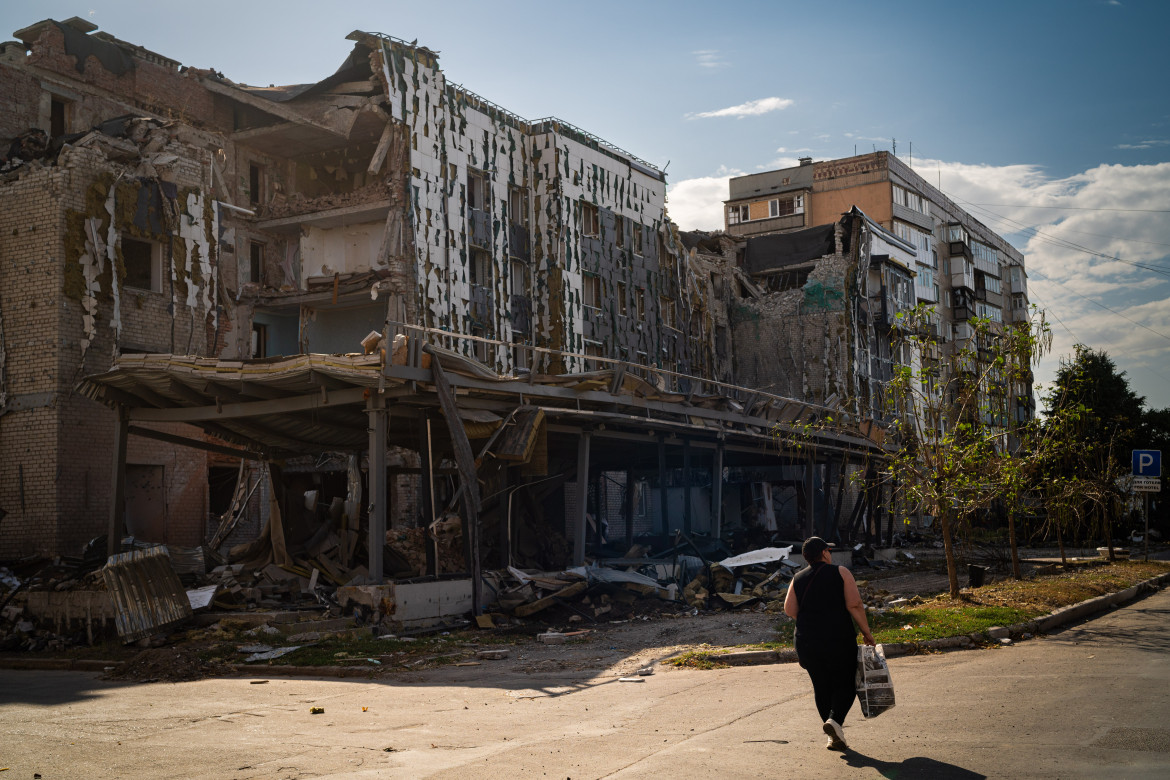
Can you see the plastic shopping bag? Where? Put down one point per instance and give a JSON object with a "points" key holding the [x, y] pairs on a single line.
{"points": [[875, 687]]}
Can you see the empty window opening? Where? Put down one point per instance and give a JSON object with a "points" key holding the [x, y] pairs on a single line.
{"points": [[623, 303], [640, 302], [142, 260], [58, 118], [667, 308], [255, 182], [255, 262], [619, 230], [479, 191], [593, 350], [592, 290], [590, 226], [637, 239], [518, 206], [259, 340], [481, 267]]}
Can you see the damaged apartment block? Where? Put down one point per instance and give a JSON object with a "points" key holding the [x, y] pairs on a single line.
{"points": [[378, 327]]}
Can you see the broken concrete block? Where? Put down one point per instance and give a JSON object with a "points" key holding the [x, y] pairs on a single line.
{"points": [[998, 632], [379, 598], [308, 636], [495, 654], [552, 638]]}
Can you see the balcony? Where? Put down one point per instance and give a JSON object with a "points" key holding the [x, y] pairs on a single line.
{"points": [[479, 225], [964, 280]]}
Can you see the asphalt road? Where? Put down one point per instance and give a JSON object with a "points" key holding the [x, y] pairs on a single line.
{"points": [[1091, 701]]}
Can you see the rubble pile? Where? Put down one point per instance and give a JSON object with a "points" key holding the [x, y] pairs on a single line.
{"points": [[584, 594], [718, 587]]}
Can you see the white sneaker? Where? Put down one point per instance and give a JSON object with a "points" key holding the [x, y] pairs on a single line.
{"points": [[836, 735]]}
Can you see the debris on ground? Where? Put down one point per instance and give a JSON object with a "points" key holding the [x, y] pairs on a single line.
{"points": [[168, 664]]}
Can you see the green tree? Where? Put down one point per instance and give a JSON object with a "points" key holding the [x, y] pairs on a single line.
{"points": [[1091, 423], [952, 421]]}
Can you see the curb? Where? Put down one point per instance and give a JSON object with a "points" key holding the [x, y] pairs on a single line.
{"points": [[1043, 624]]}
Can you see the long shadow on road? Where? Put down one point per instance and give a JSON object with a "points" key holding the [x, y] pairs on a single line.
{"points": [[917, 767]]}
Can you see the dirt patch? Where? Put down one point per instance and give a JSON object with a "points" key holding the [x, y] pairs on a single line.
{"points": [[180, 663]]}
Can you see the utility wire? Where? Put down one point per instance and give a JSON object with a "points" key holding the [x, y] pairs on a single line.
{"points": [[1072, 208], [1033, 231], [1101, 305]]}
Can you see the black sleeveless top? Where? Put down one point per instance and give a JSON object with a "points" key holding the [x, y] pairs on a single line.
{"points": [[820, 597]]}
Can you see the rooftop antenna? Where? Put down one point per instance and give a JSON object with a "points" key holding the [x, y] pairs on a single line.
{"points": [[894, 141]]}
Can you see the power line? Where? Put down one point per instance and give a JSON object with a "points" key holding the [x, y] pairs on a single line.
{"points": [[1072, 208], [1103, 306], [1061, 242]]}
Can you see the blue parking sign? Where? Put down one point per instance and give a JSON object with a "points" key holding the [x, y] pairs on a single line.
{"points": [[1147, 463]]}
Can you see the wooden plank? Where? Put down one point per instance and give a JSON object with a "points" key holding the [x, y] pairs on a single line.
{"points": [[519, 439], [524, 610], [466, 463], [118, 488]]}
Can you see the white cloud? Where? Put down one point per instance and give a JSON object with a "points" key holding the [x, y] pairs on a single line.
{"points": [[710, 58], [750, 108], [697, 204], [1150, 144], [1107, 210]]}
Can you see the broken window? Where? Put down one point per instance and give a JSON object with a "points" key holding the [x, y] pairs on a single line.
{"points": [[782, 207], [518, 206], [638, 239], [593, 350], [619, 231], [667, 308], [623, 307], [591, 295], [737, 214], [255, 262], [479, 192], [481, 268], [640, 302], [590, 226], [255, 183], [518, 278], [143, 264]]}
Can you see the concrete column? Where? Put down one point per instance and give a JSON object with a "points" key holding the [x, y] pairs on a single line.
{"points": [[379, 420], [687, 485], [663, 521], [118, 486], [579, 535], [717, 491]]}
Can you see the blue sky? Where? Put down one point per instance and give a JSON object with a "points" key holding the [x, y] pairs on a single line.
{"points": [[1012, 106]]}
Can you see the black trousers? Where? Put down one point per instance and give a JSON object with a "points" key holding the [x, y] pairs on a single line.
{"points": [[833, 670]]}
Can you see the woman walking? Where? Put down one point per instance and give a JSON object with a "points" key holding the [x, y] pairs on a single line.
{"points": [[824, 601]]}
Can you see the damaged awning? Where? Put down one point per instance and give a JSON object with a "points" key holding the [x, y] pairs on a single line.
{"points": [[315, 403]]}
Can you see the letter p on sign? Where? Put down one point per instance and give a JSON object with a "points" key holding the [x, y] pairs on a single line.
{"points": [[1147, 463]]}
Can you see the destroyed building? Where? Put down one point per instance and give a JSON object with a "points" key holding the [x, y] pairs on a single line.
{"points": [[949, 261], [381, 273]]}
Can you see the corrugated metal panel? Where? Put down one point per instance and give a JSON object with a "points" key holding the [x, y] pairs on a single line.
{"points": [[147, 595]]}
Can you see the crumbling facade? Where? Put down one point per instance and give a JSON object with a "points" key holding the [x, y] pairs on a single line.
{"points": [[148, 207], [959, 267]]}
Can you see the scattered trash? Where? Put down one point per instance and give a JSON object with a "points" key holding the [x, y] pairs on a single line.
{"points": [[258, 682], [271, 654], [365, 709], [632, 679], [316, 710], [646, 672]]}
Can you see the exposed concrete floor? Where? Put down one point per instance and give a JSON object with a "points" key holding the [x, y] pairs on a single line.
{"points": [[1091, 701]]}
